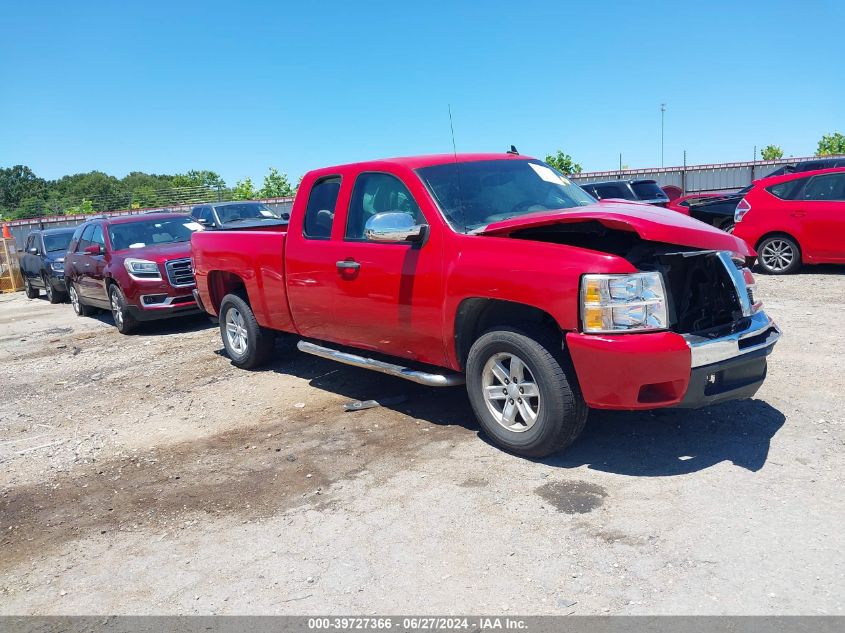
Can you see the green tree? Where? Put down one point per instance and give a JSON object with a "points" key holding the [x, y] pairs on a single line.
{"points": [[202, 178], [831, 144], [276, 185], [771, 152], [563, 163], [244, 190], [19, 183]]}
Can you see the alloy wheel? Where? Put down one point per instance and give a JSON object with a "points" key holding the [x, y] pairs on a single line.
{"points": [[511, 392], [777, 255], [116, 309], [74, 298], [236, 331]]}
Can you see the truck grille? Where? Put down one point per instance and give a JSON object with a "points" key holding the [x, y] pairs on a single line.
{"points": [[704, 291], [179, 272]]}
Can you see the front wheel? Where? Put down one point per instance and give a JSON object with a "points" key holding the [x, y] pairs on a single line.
{"points": [[52, 295], [247, 343], [123, 319], [779, 255], [525, 399], [31, 292]]}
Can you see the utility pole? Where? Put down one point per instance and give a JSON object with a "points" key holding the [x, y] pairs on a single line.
{"points": [[662, 116]]}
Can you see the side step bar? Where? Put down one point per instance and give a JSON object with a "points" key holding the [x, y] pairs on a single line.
{"points": [[421, 377]]}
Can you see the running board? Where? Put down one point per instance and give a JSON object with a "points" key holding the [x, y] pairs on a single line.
{"points": [[421, 377]]}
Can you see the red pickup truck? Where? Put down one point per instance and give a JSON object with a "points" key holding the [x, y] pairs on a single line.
{"points": [[497, 271]]}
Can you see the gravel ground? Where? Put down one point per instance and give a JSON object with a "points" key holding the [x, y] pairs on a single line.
{"points": [[145, 474]]}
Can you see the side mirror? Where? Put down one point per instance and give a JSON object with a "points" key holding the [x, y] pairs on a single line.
{"points": [[33, 251], [206, 223], [394, 226], [94, 249]]}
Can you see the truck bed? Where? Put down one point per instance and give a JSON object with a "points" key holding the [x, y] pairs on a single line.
{"points": [[253, 260]]}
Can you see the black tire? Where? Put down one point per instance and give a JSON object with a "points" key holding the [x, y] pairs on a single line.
{"points": [[248, 344], [52, 295], [728, 226], [562, 412], [778, 255], [31, 291], [123, 319], [80, 308]]}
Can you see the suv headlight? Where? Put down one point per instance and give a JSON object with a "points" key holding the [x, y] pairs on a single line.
{"points": [[57, 267], [623, 303], [142, 269]]}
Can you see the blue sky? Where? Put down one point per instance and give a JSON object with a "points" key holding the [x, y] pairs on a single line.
{"points": [[238, 87]]}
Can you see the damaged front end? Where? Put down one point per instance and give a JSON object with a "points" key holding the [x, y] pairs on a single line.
{"points": [[708, 305]]}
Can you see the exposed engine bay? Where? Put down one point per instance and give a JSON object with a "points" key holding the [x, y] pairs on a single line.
{"points": [[702, 295]]}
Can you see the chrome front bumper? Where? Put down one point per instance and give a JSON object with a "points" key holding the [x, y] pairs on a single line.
{"points": [[760, 333]]}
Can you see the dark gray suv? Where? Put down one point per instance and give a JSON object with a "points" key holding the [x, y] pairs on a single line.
{"points": [[42, 263]]}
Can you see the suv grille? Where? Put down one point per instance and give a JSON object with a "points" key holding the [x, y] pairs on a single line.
{"points": [[179, 272]]}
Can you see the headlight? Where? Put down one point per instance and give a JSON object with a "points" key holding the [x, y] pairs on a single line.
{"points": [[142, 269], [623, 303], [57, 266]]}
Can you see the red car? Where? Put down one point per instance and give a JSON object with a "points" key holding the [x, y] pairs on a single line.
{"points": [[138, 267], [495, 271], [681, 204], [795, 219]]}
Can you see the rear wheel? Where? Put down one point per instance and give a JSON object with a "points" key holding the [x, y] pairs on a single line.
{"points": [[779, 255], [123, 319], [52, 295], [728, 226], [31, 292], [523, 394], [80, 308], [247, 343]]}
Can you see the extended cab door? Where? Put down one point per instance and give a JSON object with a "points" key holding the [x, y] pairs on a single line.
{"points": [[821, 209], [385, 297]]}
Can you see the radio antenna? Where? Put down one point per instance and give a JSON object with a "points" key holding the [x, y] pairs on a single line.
{"points": [[460, 210], [452, 128]]}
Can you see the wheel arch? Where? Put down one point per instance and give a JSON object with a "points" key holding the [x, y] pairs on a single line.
{"points": [[476, 315], [222, 283], [787, 234]]}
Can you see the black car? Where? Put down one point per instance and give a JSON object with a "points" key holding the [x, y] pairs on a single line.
{"points": [[240, 214], [640, 190], [42, 263], [809, 165], [718, 211]]}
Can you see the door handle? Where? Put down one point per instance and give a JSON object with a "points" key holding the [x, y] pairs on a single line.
{"points": [[348, 264]]}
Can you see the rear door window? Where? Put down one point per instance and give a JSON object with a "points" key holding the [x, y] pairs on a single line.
{"points": [[612, 191], [320, 212], [648, 191], [825, 188]]}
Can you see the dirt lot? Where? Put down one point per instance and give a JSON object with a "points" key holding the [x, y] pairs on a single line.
{"points": [[145, 474]]}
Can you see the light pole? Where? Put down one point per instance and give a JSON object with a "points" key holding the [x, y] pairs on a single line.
{"points": [[662, 116]]}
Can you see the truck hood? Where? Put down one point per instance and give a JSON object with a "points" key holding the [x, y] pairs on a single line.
{"points": [[651, 223]]}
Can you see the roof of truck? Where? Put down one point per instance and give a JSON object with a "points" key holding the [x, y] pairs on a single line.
{"points": [[415, 162]]}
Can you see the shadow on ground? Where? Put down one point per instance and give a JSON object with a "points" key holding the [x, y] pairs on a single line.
{"points": [[674, 441]]}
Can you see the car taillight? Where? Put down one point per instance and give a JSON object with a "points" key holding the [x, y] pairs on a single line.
{"points": [[741, 209]]}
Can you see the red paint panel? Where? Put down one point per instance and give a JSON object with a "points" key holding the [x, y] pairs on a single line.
{"points": [[630, 371]]}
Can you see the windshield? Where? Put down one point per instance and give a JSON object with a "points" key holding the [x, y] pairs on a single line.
{"points": [[474, 194], [245, 211], [151, 232], [57, 241]]}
